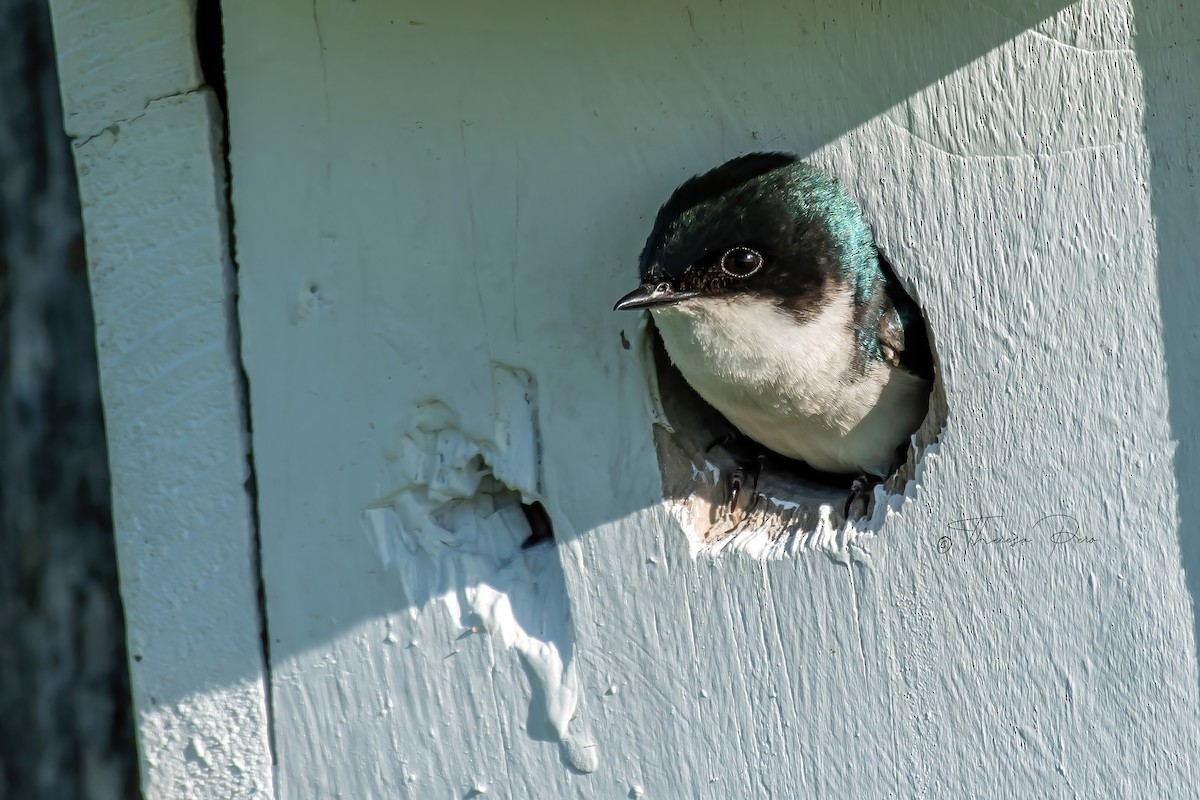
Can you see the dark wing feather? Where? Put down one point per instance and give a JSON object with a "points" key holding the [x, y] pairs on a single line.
{"points": [[903, 335]]}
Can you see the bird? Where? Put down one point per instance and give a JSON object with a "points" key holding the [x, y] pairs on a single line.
{"points": [[773, 301]]}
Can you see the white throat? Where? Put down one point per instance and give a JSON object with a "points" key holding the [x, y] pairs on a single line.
{"points": [[791, 386]]}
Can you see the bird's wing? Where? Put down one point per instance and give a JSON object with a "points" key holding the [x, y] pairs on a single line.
{"points": [[903, 336]]}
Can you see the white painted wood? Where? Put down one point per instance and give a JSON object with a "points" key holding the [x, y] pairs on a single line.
{"points": [[149, 158], [427, 191], [114, 58], [437, 205]]}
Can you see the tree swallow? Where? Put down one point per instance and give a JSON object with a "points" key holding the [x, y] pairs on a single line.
{"points": [[773, 302]]}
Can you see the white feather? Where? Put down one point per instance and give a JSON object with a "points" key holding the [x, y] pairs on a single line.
{"points": [[791, 386]]}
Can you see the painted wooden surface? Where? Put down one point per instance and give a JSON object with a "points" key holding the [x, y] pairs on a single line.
{"points": [[148, 152], [436, 208], [429, 197]]}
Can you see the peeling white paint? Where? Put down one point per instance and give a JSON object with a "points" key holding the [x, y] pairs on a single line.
{"points": [[452, 528]]}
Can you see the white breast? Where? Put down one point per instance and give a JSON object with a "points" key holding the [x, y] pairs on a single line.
{"points": [[790, 386]]}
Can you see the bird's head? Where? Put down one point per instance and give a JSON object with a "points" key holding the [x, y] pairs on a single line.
{"points": [[764, 224]]}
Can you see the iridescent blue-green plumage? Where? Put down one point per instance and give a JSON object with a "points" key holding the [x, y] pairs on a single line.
{"points": [[810, 231], [766, 286]]}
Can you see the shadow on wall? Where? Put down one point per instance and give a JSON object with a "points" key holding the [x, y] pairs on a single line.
{"points": [[1168, 51], [855, 63], [463, 526]]}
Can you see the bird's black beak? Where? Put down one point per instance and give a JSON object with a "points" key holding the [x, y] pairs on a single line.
{"points": [[659, 294]]}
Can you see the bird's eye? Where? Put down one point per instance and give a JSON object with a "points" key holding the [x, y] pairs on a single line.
{"points": [[741, 262]]}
